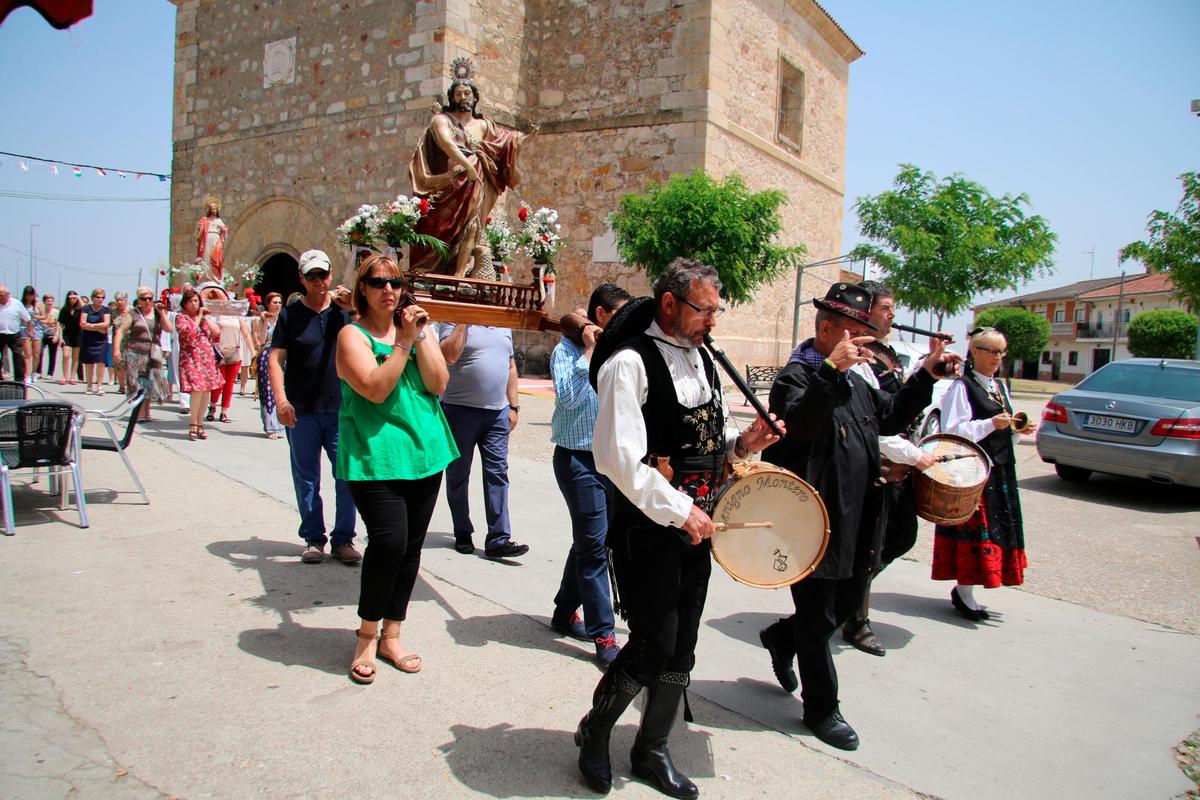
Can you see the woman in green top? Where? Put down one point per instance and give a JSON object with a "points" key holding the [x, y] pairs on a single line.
{"points": [[393, 443]]}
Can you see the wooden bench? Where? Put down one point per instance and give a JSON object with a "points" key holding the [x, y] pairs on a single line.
{"points": [[760, 377]]}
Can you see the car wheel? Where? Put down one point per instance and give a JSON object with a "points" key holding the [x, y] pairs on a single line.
{"points": [[1072, 474], [933, 424]]}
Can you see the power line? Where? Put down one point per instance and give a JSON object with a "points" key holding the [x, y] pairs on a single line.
{"points": [[81, 198], [67, 267], [102, 170]]}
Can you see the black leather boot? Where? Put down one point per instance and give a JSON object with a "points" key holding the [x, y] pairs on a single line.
{"points": [[650, 757], [613, 695]]}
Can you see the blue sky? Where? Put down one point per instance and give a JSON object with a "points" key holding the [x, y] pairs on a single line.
{"points": [[1081, 105]]}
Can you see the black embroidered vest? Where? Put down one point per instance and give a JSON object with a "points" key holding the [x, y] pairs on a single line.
{"points": [[998, 444]]}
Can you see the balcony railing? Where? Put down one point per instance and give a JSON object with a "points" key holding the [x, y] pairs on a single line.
{"points": [[1104, 330], [1065, 330]]}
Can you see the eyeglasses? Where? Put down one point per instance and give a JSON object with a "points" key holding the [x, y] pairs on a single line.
{"points": [[376, 282], [1001, 353], [316, 275], [715, 312], [146, 297]]}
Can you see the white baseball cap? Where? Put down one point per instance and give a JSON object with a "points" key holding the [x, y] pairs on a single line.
{"points": [[313, 259]]}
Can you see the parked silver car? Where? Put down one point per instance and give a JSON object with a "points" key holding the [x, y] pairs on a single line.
{"points": [[1138, 417]]}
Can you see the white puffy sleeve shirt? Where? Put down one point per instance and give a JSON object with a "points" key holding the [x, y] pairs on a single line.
{"points": [[619, 438], [956, 411]]}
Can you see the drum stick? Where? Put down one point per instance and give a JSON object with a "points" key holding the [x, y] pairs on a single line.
{"points": [[755, 403], [729, 526], [945, 337], [952, 457]]}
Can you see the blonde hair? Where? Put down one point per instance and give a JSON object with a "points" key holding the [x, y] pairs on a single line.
{"points": [[989, 338]]}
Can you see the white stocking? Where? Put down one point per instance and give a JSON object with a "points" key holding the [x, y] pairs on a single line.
{"points": [[966, 593]]}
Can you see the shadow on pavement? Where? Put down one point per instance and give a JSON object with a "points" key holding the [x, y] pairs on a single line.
{"points": [[503, 761], [934, 608], [514, 630], [743, 626], [1109, 490], [756, 705]]}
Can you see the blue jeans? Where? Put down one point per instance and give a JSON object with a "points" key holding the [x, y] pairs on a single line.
{"points": [[488, 430], [585, 575], [312, 434]]}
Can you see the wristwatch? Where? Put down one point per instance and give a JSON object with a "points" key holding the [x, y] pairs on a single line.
{"points": [[516, 408]]}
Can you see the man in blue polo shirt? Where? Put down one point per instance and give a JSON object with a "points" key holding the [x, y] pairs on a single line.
{"points": [[308, 394], [586, 491]]}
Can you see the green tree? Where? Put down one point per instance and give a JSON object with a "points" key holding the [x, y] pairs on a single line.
{"points": [[1027, 333], [721, 223], [1165, 333], [941, 242], [1172, 245]]}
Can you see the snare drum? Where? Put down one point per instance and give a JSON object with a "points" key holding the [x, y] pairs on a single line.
{"points": [[948, 492], [769, 558]]}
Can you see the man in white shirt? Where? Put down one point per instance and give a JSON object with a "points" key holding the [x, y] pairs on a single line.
{"points": [[14, 317], [661, 438]]}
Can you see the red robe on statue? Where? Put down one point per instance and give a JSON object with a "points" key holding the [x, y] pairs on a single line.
{"points": [[215, 257], [455, 201]]}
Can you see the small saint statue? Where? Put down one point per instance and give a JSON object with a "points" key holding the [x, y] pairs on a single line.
{"points": [[211, 232]]}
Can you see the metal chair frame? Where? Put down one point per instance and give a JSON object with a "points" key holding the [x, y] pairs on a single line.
{"points": [[131, 405]]}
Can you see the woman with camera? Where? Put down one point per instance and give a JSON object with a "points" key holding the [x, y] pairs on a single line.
{"points": [[393, 444], [136, 340]]}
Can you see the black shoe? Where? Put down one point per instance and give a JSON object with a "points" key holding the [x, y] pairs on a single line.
{"points": [[982, 612], [834, 732], [857, 631], [509, 549], [463, 544], [962, 608], [781, 660], [572, 627]]}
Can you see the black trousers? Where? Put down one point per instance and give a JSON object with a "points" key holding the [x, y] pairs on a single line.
{"points": [[49, 349], [12, 341], [662, 583], [396, 515], [822, 605], [900, 531]]}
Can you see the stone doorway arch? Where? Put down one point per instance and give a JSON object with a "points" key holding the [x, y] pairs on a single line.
{"points": [[282, 226]]}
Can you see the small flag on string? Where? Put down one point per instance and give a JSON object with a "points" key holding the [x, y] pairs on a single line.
{"points": [[162, 178], [24, 166], [54, 169], [137, 176], [121, 173], [78, 172], [101, 172]]}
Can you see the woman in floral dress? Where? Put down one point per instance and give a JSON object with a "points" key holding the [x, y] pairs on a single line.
{"points": [[198, 374]]}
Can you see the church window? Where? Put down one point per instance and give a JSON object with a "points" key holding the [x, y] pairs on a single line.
{"points": [[791, 104]]}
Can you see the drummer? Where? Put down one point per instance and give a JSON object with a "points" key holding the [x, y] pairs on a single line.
{"points": [[659, 400], [834, 419], [989, 548], [896, 529]]}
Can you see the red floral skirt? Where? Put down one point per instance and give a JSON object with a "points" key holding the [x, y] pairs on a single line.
{"points": [[989, 548]]}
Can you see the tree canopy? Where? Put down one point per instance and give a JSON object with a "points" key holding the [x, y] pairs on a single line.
{"points": [[721, 223], [1027, 333], [1164, 333], [941, 242], [1172, 243]]}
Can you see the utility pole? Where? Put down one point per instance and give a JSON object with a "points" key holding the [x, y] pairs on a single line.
{"points": [[1117, 321]]}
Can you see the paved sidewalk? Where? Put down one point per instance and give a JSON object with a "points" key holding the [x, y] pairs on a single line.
{"points": [[181, 649]]}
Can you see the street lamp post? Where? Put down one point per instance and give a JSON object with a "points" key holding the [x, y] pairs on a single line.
{"points": [[31, 227], [799, 278]]}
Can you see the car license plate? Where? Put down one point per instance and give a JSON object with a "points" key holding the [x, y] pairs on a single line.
{"points": [[1114, 424]]}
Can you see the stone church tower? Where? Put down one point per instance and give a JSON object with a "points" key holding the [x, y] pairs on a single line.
{"points": [[295, 112]]}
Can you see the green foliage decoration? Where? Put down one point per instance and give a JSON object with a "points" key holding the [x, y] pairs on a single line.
{"points": [[1027, 333], [941, 242], [721, 223], [1165, 333]]}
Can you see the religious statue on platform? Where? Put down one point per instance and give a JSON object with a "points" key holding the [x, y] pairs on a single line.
{"points": [[210, 238], [462, 165]]}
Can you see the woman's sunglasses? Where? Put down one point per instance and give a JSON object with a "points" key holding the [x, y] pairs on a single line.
{"points": [[375, 282]]}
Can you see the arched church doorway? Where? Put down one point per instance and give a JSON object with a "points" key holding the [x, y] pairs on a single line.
{"points": [[280, 273]]}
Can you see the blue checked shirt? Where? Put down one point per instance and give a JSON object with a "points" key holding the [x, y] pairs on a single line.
{"points": [[574, 398]]}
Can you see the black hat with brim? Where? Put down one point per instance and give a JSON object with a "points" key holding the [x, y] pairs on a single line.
{"points": [[631, 319], [850, 300]]}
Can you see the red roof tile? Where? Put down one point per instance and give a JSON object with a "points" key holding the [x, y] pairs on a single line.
{"points": [[1156, 283]]}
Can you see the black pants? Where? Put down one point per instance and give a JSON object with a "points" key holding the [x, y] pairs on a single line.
{"points": [[822, 605], [900, 531], [662, 583], [12, 341], [396, 515], [50, 350]]}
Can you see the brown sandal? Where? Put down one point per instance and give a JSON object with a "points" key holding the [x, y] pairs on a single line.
{"points": [[200, 434], [404, 663], [192, 429], [355, 675]]}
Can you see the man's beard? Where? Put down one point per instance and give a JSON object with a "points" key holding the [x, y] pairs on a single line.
{"points": [[466, 105]]}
